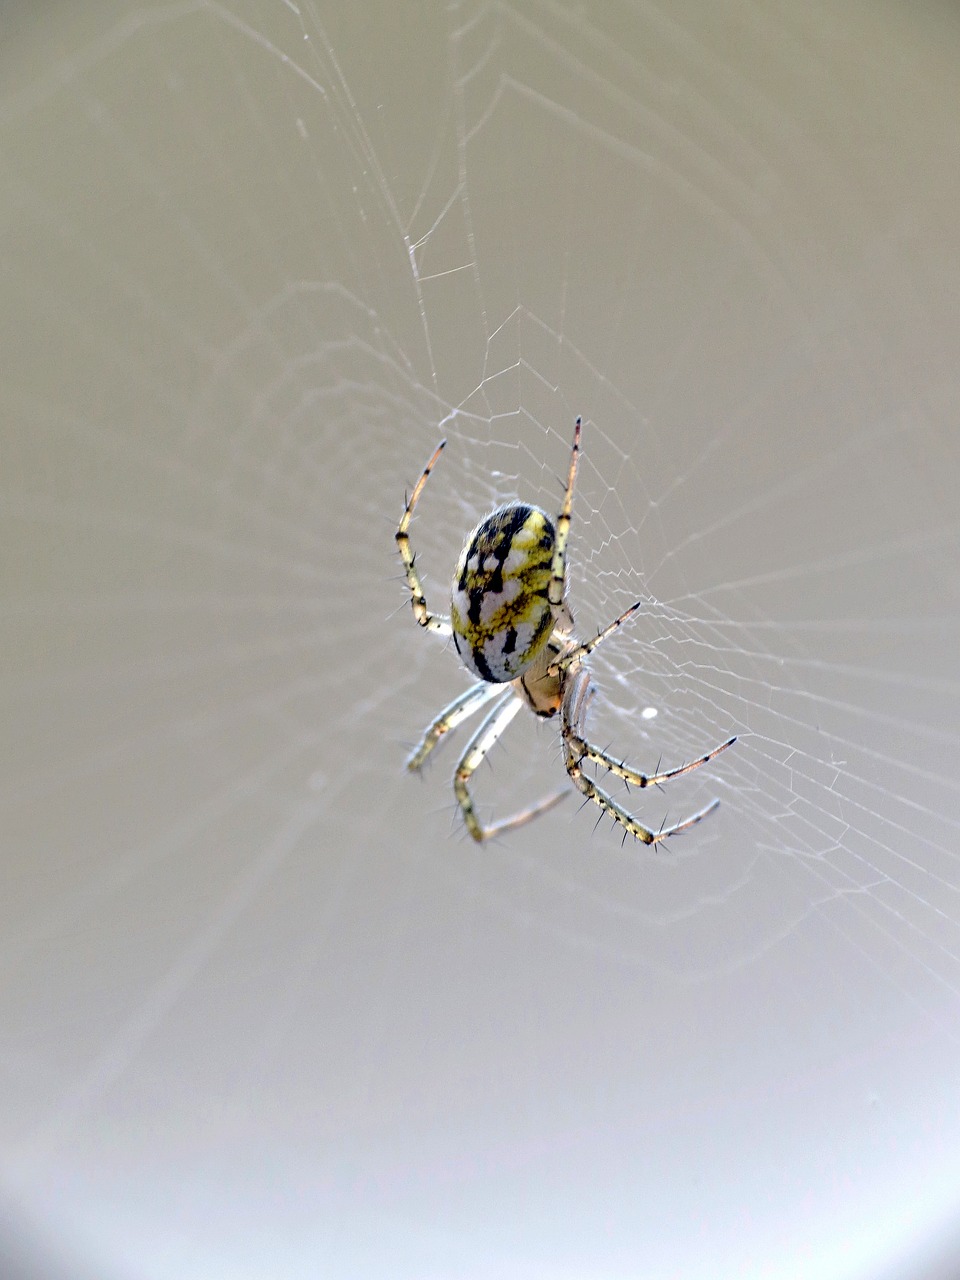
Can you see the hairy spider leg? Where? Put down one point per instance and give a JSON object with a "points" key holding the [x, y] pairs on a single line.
{"points": [[453, 714], [491, 728], [575, 655], [559, 567], [577, 693], [432, 621]]}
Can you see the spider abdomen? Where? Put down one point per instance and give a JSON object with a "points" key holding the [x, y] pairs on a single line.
{"points": [[500, 609]]}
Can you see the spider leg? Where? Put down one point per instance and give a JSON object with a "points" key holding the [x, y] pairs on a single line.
{"points": [[559, 567], [583, 749], [455, 713], [576, 749], [491, 728], [578, 652], [432, 621], [619, 814]]}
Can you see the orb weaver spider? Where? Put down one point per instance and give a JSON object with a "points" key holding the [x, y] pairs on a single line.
{"points": [[513, 629]]}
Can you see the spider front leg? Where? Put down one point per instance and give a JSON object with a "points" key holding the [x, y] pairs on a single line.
{"points": [[432, 621], [494, 724], [631, 776], [576, 749], [625, 819], [579, 694], [455, 713]]}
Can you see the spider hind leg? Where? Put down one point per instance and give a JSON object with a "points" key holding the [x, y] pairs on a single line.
{"points": [[432, 621]]}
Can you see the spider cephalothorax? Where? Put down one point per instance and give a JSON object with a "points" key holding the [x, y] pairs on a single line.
{"points": [[511, 626]]}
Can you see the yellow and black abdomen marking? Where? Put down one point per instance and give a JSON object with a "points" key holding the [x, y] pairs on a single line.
{"points": [[500, 609]]}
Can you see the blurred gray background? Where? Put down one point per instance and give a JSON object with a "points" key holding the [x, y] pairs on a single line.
{"points": [[264, 1009]]}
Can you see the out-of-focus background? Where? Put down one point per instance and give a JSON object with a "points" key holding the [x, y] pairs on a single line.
{"points": [[264, 1009]]}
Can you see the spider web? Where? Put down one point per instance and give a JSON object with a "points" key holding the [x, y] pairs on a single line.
{"points": [[265, 1010]]}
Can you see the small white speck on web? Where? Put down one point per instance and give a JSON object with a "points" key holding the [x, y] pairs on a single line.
{"points": [[648, 713]]}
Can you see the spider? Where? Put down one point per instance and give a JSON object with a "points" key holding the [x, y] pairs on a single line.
{"points": [[513, 629]]}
